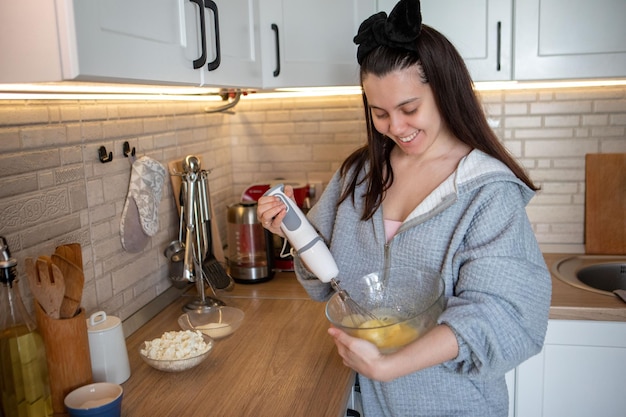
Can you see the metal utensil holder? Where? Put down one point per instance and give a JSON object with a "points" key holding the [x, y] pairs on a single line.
{"points": [[195, 239]]}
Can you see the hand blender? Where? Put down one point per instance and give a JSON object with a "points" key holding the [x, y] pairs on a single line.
{"points": [[314, 252], [304, 239]]}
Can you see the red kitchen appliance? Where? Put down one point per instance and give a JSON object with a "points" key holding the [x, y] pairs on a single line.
{"points": [[303, 192]]}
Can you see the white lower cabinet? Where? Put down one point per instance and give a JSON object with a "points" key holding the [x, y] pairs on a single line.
{"points": [[510, 384], [580, 372]]}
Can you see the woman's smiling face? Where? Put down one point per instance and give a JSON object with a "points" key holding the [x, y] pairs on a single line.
{"points": [[403, 108]]}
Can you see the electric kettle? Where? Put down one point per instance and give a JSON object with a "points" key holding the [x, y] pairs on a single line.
{"points": [[250, 245]]}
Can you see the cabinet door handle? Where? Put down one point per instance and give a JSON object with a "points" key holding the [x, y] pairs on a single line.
{"points": [[218, 56], [198, 63], [275, 29], [499, 47]]}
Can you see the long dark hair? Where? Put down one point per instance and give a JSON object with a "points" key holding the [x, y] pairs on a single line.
{"points": [[441, 66]]}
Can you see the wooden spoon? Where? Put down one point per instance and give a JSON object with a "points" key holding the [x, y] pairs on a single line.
{"points": [[46, 284], [72, 252], [74, 282]]}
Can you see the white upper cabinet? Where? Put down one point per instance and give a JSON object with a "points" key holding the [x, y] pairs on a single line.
{"points": [[135, 41], [138, 41], [481, 30], [570, 39], [309, 43], [144, 41], [295, 43], [233, 43]]}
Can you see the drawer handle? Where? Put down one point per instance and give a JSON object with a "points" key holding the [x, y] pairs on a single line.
{"points": [[275, 29], [218, 56], [499, 46], [198, 63]]}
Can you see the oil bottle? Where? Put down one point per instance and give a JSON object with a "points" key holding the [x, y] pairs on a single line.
{"points": [[24, 383]]}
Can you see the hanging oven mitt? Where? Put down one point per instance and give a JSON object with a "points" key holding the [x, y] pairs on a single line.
{"points": [[140, 217]]}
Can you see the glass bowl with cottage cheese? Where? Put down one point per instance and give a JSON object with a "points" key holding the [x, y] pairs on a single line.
{"points": [[176, 351]]}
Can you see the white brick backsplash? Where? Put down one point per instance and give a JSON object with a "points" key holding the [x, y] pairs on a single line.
{"points": [[332, 152], [525, 96], [607, 131], [42, 136], [515, 109], [53, 189], [565, 213], [561, 107], [577, 161], [588, 94], [284, 128], [306, 127], [522, 121], [514, 147], [552, 199], [558, 175], [341, 126], [543, 133], [617, 145], [618, 119], [16, 115], [562, 121], [595, 119], [555, 148], [610, 106]]}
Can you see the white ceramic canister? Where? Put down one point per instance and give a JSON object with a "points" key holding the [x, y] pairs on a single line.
{"points": [[107, 347]]}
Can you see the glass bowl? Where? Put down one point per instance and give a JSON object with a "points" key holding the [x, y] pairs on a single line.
{"points": [[176, 351], [216, 323], [406, 303]]}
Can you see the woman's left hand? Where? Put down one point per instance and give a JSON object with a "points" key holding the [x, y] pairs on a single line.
{"points": [[360, 355]]}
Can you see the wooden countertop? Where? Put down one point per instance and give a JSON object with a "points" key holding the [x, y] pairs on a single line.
{"points": [[571, 303], [274, 365]]}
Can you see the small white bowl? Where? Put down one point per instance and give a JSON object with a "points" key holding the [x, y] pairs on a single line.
{"points": [[217, 323], [100, 399]]}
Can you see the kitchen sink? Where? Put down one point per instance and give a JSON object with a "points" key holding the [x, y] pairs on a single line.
{"points": [[601, 274]]}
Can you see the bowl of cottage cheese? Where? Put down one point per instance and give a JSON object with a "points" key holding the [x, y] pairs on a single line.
{"points": [[176, 351]]}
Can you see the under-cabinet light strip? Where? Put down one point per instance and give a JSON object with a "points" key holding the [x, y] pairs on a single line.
{"points": [[534, 85], [88, 96], [164, 93]]}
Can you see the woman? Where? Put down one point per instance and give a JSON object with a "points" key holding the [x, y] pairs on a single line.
{"points": [[433, 188]]}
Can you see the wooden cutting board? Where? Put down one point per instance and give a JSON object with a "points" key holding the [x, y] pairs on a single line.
{"points": [[605, 204]]}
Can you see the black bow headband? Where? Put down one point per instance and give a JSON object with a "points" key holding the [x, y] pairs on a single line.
{"points": [[399, 30]]}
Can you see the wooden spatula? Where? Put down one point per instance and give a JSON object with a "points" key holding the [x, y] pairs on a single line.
{"points": [[74, 282], [46, 284], [72, 252]]}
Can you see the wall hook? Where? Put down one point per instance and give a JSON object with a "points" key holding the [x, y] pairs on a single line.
{"points": [[128, 151], [102, 155]]}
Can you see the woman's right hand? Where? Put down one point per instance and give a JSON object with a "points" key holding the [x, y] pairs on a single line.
{"points": [[271, 211]]}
